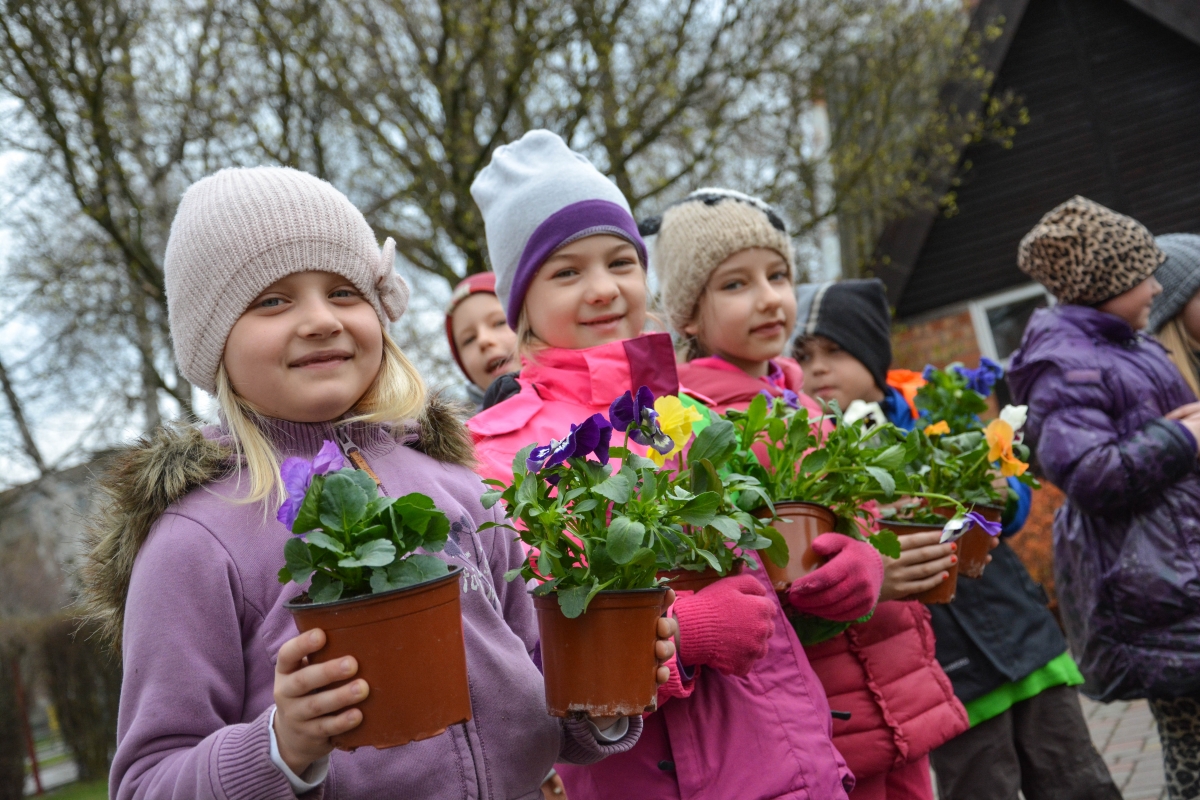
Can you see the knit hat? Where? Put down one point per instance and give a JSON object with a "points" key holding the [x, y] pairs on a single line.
{"points": [[696, 234], [537, 195], [1085, 253], [472, 284], [854, 315], [239, 231], [1179, 276]]}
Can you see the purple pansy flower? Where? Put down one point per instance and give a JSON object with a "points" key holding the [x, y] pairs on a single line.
{"points": [[788, 396], [983, 378], [297, 474], [927, 373], [590, 436], [635, 415], [955, 528]]}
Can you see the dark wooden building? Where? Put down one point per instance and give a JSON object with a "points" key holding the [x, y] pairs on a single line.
{"points": [[1113, 93]]}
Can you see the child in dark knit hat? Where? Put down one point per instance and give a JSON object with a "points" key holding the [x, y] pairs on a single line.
{"points": [[481, 342], [1113, 424], [1000, 647], [1175, 315]]}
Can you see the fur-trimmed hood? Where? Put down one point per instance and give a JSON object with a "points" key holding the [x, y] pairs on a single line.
{"points": [[159, 469]]}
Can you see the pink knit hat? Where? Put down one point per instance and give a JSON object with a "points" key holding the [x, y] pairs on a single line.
{"points": [[239, 231]]}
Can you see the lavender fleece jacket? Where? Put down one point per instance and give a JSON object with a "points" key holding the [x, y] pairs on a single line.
{"points": [[204, 622]]}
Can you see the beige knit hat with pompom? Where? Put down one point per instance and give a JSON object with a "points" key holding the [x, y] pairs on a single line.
{"points": [[696, 234], [239, 231]]}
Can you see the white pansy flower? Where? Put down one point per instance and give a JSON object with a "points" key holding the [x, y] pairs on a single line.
{"points": [[871, 412], [1015, 416]]}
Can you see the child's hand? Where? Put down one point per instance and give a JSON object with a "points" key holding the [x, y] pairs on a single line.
{"points": [[305, 719], [1189, 417], [726, 625], [922, 565], [664, 651]]}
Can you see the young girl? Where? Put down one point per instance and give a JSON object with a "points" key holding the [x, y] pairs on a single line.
{"points": [[1000, 647], [480, 339], [570, 269], [725, 266], [278, 298], [1175, 314], [1115, 426]]}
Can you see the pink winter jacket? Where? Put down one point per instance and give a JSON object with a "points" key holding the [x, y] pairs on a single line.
{"points": [[766, 736], [884, 671]]}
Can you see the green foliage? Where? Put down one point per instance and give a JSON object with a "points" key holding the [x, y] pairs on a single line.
{"points": [[946, 396], [356, 542], [596, 527]]}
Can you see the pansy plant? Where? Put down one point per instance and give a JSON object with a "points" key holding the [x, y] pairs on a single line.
{"points": [[348, 539], [599, 516]]}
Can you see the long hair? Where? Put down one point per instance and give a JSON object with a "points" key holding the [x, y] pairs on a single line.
{"points": [[397, 394], [1182, 348]]}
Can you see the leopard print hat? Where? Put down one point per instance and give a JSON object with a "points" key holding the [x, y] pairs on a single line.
{"points": [[1085, 253]]}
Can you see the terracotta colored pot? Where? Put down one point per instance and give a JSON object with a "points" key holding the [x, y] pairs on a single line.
{"points": [[602, 662], [409, 647], [975, 544], [800, 524], [944, 591], [690, 580]]}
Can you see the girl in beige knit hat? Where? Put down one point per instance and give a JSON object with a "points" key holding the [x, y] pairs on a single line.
{"points": [[279, 298]]}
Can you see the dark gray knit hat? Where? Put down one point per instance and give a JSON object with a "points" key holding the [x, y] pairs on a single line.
{"points": [[1179, 276], [855, 315]]}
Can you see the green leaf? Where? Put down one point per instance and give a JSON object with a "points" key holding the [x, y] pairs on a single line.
{"points": [[343, 503], [376, 553], [883, 478], [710, 558], [364, 482], [308, 517], [636, 462], [891, 458], [378, 505], [716, 443], [886, 542], [573, 601], [624, 538], [618, 488], [298, 560], [584, 506], [700, 510], [778, 551], [814, 462], [544, 564], [513, 574], [324, 589], [518, 465], [325, 542], [285, 575], [727, 527], [705, 478], [416, 569], [756, 415]]}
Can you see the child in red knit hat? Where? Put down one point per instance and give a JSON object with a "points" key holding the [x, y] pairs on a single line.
{"points": [[480, 340]]}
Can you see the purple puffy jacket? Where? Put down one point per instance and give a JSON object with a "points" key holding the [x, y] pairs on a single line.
{"points": [[1127, 540]]}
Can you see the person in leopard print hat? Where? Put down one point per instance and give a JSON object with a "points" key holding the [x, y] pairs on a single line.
{"points": [[1114, 424]]}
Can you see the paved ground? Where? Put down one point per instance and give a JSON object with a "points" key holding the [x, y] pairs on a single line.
{"points": [[1125, 734]]}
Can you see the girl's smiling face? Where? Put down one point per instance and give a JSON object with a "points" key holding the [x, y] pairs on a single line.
{"points": [[485, 343], [307, 349], [747, 309], [831, 373], [589, 292]]}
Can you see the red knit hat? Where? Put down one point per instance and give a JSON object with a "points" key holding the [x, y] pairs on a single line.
{"points": [[472, 284]]}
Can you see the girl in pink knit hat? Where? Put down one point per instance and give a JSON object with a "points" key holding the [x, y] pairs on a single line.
{"points": [[742, 714], [480, 340], [279, 300]]}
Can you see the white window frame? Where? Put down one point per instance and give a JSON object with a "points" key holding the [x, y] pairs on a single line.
{"points": [[979, 313]]}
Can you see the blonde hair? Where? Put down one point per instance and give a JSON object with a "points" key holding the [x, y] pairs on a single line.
{"points": [[396, 396], [1181, 347]]}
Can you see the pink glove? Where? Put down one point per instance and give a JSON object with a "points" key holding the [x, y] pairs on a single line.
{"points": [[846, 586], [725, 625]]}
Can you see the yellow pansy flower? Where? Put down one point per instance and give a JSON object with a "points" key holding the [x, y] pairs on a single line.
{"points": [[676, 421], [937, 429], [1000, 448]]}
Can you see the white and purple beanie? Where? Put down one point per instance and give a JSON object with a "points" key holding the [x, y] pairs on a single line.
{"points": [[537, 195]]}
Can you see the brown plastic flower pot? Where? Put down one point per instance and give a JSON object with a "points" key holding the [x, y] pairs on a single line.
{"points": [[690, 580], [942, 593], [800, 523], [602, 662], [409, 647], [975, 544]]}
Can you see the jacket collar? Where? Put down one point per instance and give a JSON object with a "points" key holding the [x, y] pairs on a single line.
{"points": [[595, 376], [1096, 324], [304, 439]]}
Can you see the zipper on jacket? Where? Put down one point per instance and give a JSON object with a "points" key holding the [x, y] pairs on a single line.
{"points": [[351, 451]]}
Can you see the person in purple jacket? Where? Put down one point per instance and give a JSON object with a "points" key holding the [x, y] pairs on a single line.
{"points": [[1115, 426], [279, 298]]}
